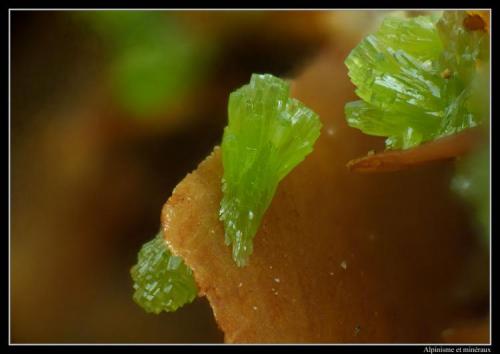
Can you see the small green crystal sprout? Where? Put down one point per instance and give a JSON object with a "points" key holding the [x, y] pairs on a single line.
{"points": [[415, 77], [162, 281], [268, 134]]}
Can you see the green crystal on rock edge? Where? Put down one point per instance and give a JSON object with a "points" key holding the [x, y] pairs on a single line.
{"points": [[414, 77], [267, 135], [162, 281]]}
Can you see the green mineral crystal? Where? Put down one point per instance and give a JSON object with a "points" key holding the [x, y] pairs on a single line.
{"points": [[268, 134], [414, 77], [162, 281]]}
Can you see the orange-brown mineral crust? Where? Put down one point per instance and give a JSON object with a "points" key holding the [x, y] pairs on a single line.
{"points": [[340, 257]]}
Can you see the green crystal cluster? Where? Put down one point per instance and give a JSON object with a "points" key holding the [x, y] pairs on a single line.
{"points": [[268, 134], [162, 281], [415, 77]]}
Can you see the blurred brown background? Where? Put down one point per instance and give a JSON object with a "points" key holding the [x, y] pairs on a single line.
{"points": [[109, 111]]}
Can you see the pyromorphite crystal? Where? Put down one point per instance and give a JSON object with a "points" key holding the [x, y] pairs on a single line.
{"points": [[162, 281], [268, 134], [414, 77]]}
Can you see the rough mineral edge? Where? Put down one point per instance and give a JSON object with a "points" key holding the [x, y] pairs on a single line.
{"points": [[448, 147], [178, 196], [183, 198]]}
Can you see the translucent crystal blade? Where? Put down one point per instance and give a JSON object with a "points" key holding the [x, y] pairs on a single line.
{"points": [[268, 134]]}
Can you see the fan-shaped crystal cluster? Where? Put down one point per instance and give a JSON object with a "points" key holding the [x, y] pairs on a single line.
{"points": [[268, 134], [414, 77]]}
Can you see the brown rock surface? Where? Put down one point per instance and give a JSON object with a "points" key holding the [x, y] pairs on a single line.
{"points": [[340, 256]]}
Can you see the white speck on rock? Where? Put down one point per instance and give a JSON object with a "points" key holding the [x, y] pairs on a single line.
{"points": [[255, 308], [344, 265], [357, 329], [277, 280], [330, 131], [240, 285], [331, 273]]}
